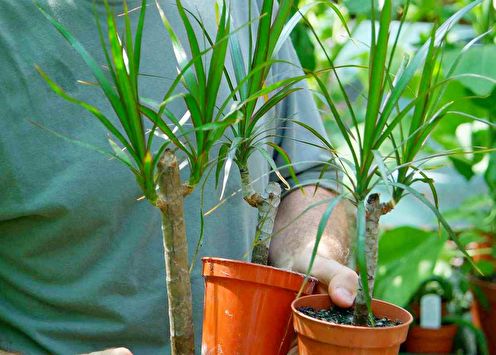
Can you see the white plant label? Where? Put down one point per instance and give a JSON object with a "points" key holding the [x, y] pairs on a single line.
{"points": [[430, 311]]}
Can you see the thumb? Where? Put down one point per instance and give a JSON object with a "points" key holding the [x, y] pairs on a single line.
{"points": [[343, 286]]}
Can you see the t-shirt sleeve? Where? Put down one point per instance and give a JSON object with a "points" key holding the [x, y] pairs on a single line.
{"points": [[305, 150]]}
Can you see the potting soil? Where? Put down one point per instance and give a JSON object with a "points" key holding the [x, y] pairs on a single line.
{"points": [[344, 316]]}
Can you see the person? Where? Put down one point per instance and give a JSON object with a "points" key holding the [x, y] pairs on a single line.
{"points": [[81, 256]]}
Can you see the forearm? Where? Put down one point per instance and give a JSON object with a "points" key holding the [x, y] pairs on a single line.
{"points": [[294, 236]]}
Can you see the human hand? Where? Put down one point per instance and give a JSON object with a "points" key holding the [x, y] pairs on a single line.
{"points": [[292, 246], [113, 351], [339, 281]]}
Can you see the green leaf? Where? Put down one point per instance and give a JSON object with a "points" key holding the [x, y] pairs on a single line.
{"points": [[92, 64], [419, 58], [238, 65], [486, 267], [119, 152], [272, 102], [90, 147], [343, 128], [261, 53], [229, 160], [407, 257], [316, 134], [376, 79], [93, 110], [478, 60], [224, 148], [199, 243], [154, 117], [195, 52], [181, 56], [293, 21], [273, 165], [287, 160], [382, 169], [127, 95], [216, 62], [139, 35]]}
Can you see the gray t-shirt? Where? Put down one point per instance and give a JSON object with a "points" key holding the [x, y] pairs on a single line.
{"points": [[81, 259]]}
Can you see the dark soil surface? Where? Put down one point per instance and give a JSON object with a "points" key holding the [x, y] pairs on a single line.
{"points": [[343, 316]]}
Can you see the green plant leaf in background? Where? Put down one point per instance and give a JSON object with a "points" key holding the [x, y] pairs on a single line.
{"points": [[407, 257], [478, 60]]}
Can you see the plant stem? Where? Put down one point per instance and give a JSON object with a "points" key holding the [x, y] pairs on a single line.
{"points": [[267, 205], [267, 211], [253, 198], [171, 204], [374, 210]]}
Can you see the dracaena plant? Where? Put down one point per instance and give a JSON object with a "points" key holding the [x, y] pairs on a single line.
{"points": [[253, 96], [384, 148], [251, 99], [272, 31], [251, 89], [138, 119]]}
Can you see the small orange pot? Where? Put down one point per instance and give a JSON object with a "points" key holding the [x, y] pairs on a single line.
{"points": [[317, 337], [247, 309], [431, 341], [486, 316]]}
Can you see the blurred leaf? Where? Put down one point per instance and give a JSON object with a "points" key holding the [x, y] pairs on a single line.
{"points": [[490, 174], [359, 6], [486, 267], [407, 257], [470, 236], [463, 166], [478, 60], [305, 49]]}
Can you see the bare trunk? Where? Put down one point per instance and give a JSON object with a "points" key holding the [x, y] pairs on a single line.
{"points": [[170, 202], [374, 211], [267, 211], [267, 205]]}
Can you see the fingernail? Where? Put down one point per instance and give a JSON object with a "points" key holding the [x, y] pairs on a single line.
{"points": [[345, 295]]}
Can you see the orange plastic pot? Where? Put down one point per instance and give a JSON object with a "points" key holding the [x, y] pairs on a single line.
{"points": [[317, 337], [485, 312], [247, 309], [431, 341]]}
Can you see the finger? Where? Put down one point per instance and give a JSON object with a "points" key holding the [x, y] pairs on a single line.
{"points": [[343, 287]]}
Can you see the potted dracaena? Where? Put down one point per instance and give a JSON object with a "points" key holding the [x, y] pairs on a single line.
{"points": [[403, 128], [157, 172]]}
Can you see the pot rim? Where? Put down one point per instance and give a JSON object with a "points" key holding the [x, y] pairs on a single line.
{"points": [[241, 262], [404, 324], [311, 282]]}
